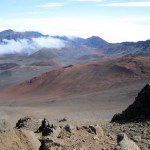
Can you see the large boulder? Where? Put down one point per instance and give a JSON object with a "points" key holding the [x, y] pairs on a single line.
{"points": [[19, 140], [140, 108], [28, 139], [124, 143]]}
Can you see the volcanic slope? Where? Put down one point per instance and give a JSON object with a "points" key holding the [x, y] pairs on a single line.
{"points": [[85, 78]]}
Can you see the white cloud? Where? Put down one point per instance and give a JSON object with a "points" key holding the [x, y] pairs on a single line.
{"points": [[90, 0], [48, 42], [12, 46], [35, 12], [127, 4], [51, 5], [28, 47], [110, 29]]}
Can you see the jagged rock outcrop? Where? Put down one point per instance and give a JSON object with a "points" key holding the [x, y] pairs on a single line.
{"points": [[28, 139], [17, 139], [140, 109], [124, 143], [53, 136], [45, 128], [29, 123]]}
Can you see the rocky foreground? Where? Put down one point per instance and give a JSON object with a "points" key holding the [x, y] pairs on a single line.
{"points": [[34, 134], [129, 130]]}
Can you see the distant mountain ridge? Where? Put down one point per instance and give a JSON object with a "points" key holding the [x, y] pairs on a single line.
{"points": [[12, 35], [77, 47], [127, 48], [95, 41]]}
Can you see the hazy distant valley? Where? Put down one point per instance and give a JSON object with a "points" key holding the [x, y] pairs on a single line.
{"points": [[28, 54], [42, 70], [79, 85]]}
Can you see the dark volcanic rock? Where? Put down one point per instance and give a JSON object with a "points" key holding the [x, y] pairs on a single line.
{"points": [[29, 123], [140, 109], [45, 127], [48, 130]]}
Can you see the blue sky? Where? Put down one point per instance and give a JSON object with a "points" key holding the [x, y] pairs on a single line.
{"points": [[113, 20]]}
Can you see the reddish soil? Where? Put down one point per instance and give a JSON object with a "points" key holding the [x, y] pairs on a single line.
{"points": [[85, 78]]}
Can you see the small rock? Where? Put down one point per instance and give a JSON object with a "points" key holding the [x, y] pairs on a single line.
{"points": [[4, 125], [78, 128], [63, 120], [95, 138], [136, 138], [97, 130], [117, 148], [144, 132], [111, 137], [45, 124], [124, 143], [69, 128], [47, 131], [148, 141], [56, 131]]}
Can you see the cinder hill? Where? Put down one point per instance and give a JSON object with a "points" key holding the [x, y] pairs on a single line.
{"points": [[85, 78]]}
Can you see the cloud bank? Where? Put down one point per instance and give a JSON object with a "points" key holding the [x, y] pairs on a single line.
{"points": [[51, 5], [112, 29], [90, 0], [25, 46], [127, 4]]}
